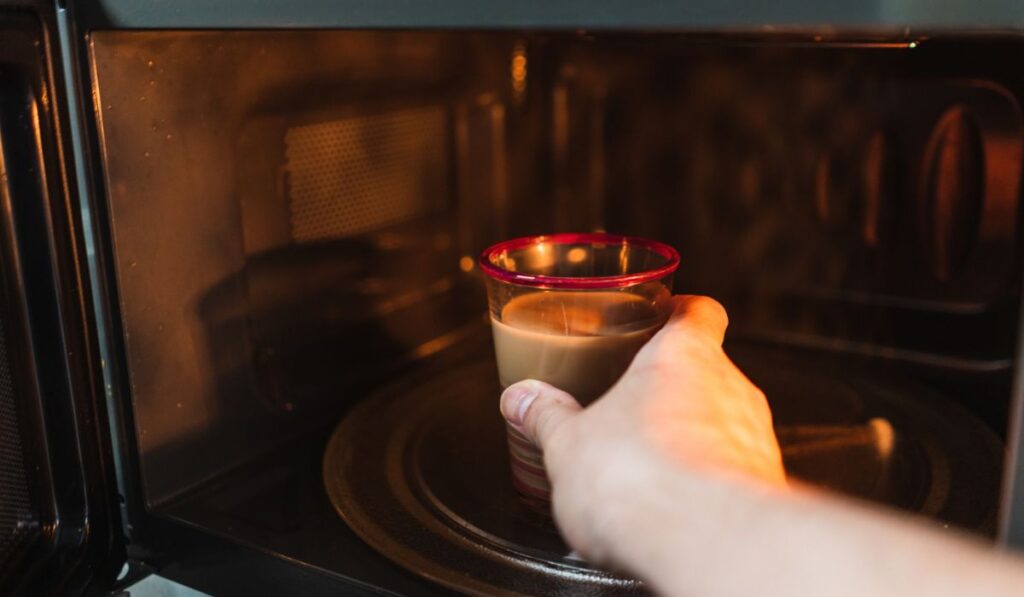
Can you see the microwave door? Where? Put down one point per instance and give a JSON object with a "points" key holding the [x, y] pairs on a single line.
{"points": [[57, 498]]}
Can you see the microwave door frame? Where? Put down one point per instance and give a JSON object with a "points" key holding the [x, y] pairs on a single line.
{"points": [[50, 336]]}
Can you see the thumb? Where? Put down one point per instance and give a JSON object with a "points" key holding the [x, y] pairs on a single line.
{"points": [[537, 409]]}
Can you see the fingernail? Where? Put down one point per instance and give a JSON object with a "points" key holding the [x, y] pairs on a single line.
{"points": [[515, 402]]}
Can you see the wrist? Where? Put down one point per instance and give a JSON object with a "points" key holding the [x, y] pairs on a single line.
{"points": [[683, 525]]}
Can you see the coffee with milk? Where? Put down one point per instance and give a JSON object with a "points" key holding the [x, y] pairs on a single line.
{"points": [[580, 342]]}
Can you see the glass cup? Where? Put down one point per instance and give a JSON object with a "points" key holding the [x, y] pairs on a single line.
{"points": [[571, 310]]}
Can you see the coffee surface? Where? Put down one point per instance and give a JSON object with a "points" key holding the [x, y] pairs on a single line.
{"points": [[581, 342]]}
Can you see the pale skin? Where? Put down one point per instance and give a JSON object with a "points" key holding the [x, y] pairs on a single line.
{"points": [[675, 476]]}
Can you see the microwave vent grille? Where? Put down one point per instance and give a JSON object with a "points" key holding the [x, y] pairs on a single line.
{"points": [[355, 175], [19, 518]]}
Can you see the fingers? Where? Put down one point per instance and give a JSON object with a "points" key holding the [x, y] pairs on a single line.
{"points": [[694, 314], [537, 409]]}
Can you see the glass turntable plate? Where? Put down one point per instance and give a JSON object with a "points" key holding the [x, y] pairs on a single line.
{"points": [[420, 470]]}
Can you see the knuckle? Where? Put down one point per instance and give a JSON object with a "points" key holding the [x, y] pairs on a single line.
{"points": [[544, 418], [712, 309], [698, 315]]}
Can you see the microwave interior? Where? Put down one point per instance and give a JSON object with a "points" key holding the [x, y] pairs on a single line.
{"points": [[291, 222]]}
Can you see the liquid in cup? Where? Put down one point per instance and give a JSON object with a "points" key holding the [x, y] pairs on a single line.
{"points": [[575, 341], [575, 325]]}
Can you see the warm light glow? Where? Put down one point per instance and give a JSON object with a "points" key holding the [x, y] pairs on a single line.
{"points": [[874, 163], [885, 436], [466, 263], [576, 254], [518, 69]]}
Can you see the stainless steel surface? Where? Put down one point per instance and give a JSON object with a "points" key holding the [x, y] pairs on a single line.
{"points": [[194, 130], [361, 174], [264, 289], [244, 305]]}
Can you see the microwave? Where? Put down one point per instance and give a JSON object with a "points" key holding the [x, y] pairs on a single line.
{"points": [[243, 333]]}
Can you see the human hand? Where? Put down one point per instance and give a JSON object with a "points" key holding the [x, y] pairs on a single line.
{"points": [[682, 408]]}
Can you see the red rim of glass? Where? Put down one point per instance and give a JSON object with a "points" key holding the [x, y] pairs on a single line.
{"points": [[579, 283]]}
